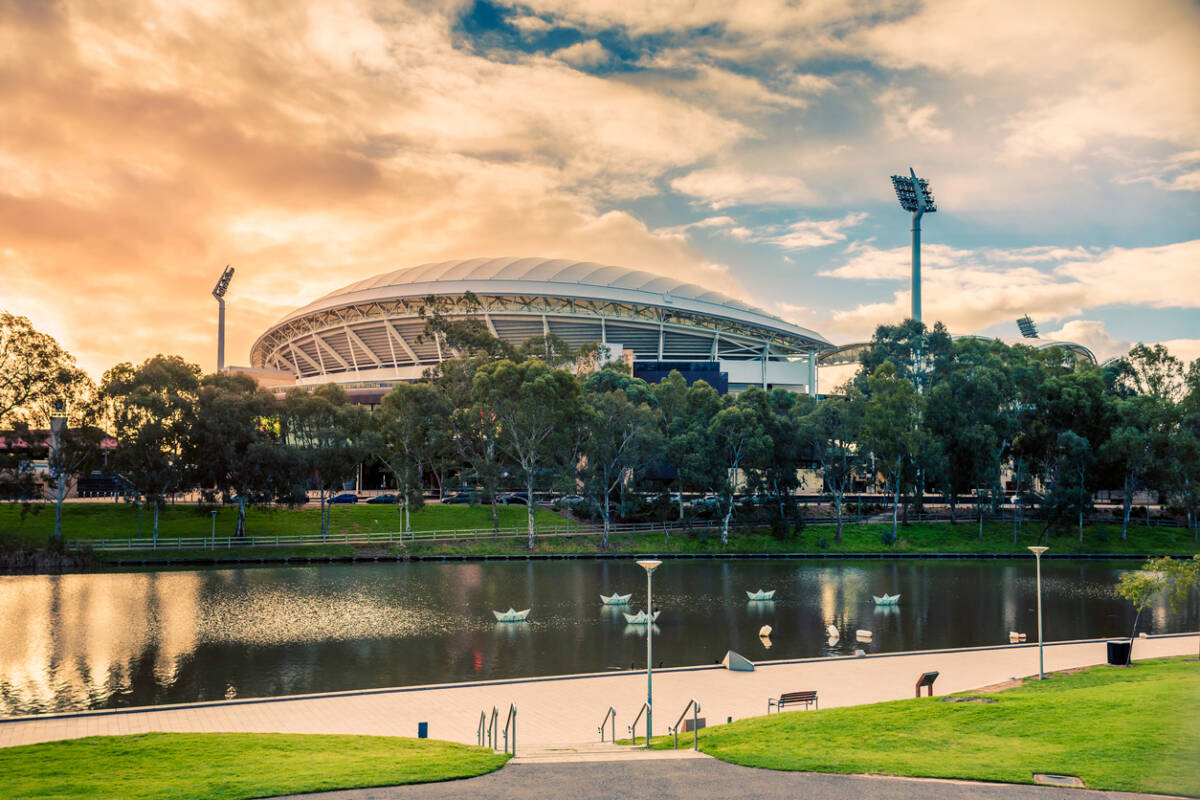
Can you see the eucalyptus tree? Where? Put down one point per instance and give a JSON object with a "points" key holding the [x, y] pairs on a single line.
{"points": [[623, 439], [36, 373], [150, 411], [739, 444], [330, 433], [918, 354], [409, 433], [535, 412], [890, 416], [777, 477], [833, 431], [685, 413], [235, 446]]}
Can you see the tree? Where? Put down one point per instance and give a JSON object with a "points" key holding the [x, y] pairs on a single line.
{"points": [[329, 432], [1131, 446], [776, 477], [535, 410], [35, 372], [1140, 588], [409, 434], [889, 420], [622, 440], [739, 442], [833, 430], [150, 409], [1069, 495], [235, 447], [1181, 577]]}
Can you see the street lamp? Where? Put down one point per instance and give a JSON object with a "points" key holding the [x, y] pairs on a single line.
{"points": [[915, 195], [214, 529], [1037, 554], [219, 293], [58, 426], [649, 566]]}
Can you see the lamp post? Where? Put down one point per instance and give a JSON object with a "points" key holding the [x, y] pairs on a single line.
{"points": [[649, 566], [915, 196], [214, 530], [1037, 554], [58, 426]]}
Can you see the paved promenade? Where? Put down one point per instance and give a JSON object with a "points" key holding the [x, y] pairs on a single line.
{"points": [[568, 709]]}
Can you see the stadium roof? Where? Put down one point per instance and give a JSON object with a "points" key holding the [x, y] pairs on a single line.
{"points": [[551, 278]]}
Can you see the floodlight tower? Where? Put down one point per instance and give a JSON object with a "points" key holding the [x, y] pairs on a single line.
{"points": [[915, 196], [219, 293]]}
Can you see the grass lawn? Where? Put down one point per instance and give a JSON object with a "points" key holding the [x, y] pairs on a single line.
{"points": [[120, 520], [1135, 729], [229, 766]]}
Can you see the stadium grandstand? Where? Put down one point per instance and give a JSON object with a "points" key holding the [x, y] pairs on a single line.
{"points": [[368, 336]]}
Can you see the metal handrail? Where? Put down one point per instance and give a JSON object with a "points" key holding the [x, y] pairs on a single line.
{"points": [[479, 734], [511, 719], [633, 728], [493, 725], [694, 705], [610, 714]]}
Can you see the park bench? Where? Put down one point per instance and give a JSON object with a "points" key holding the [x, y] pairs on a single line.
{"points": [[792, 699]]}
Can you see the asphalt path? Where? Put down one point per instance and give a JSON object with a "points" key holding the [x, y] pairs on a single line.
{"points": [[700, 779]]}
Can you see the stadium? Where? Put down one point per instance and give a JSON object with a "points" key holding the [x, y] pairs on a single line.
{"points": [[367, 336]]}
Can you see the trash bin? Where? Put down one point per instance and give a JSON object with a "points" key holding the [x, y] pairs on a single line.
{"points": [[1118, 652], [422, 730]]}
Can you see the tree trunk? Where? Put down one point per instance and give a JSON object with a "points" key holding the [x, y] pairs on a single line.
{"points": [[954, 508], [837, 502], [240, 530], [1128, 509], [324, 526], [979, 508], [529, 508], [156, 522], [725, 523], [895, 507], [1132, 636], [605, 506], [679, 494]]}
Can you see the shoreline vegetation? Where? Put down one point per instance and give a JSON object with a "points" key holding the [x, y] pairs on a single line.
{"points": [[26, 547], [230, 766], [1149, 714]]}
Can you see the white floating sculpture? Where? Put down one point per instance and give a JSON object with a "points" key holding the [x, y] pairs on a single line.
{"points": [[512, 615], [615, 599], [761, 595], [640, 618], [863, 636], [1015, 637], [833, 632], [737, 663], [886, 600], [765, 630]]}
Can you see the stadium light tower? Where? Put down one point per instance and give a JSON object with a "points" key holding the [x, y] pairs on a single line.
{"points": [[915, 196], [219, 293]]}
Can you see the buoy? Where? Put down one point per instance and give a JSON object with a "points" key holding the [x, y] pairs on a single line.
{"points": [[765, 630], [833, 632], [863, 636]]}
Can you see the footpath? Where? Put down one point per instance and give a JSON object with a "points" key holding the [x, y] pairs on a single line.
{"points": [[567, 710]]}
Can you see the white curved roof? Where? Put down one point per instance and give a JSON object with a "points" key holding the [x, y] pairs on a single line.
{"points": [[553, 278]]}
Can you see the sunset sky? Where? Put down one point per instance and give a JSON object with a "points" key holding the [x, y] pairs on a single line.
{"points": [[742, 146]]}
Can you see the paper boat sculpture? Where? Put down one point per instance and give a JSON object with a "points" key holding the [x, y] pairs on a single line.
{"points": [[640, 618], [761, 595], [886, 600], [863, 636], [512, 615], [615, 599]]}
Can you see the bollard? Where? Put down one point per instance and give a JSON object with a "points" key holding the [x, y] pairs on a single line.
{"points": [[422, 730]]}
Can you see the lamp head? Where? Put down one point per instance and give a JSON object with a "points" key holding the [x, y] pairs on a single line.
{"points": [[649, 565], [1037, 550]]}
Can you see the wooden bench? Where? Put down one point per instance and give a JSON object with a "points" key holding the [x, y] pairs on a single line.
{"points": [[792, 699]]}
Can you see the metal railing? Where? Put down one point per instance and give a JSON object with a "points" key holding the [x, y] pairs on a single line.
{"points": [[633, 728], [493, 726], [480, 733], [610, 714], [694, 706], [511, 719]]}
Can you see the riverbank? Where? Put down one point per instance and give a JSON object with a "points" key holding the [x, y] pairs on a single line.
{"points": [[1120, 729], [462, 532]]}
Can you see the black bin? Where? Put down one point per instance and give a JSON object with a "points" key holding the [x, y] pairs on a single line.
{"points": [[1118, 652], [422, 730]]}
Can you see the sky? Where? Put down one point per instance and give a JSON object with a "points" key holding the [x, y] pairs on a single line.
{"points": [[746, 147]]}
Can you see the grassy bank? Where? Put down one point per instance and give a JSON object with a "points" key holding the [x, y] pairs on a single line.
{"points": [[120, 520], [1130, 729], [229, 766]]}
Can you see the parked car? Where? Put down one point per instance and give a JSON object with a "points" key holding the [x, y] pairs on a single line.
{"points": [[457, 498], [514, 499], [381, 499], [344, 497]]}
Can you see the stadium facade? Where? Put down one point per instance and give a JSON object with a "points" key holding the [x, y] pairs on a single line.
{"points": [[368, 336]]}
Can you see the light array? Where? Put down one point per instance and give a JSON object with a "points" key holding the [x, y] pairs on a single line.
{"points": [[1028, 328], [223, 284], [908, 197]]}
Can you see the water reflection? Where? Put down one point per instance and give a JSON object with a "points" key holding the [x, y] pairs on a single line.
{"points": [[110, 640]]}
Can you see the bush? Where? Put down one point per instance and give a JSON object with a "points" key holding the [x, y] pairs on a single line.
{"points": [[887, 537]]}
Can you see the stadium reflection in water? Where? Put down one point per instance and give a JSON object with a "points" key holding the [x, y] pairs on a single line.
{"points": [[75, 642]]}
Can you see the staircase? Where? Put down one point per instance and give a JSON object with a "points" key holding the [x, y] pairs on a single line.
{"points": [[595, 751]]}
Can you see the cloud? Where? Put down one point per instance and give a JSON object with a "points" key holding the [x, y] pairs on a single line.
{"points": [[903, 117], [722, 187], [583, 54], [816, 233]]}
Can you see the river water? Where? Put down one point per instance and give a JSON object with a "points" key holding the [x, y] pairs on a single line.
{"points": [[72, 642]]}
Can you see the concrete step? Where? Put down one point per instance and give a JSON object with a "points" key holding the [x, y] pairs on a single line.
{"points": [[588, 751]]}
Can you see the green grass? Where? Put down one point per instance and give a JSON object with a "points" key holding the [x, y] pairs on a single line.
{"points": [[229, 766], [1134, 729], [120, 520]]}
